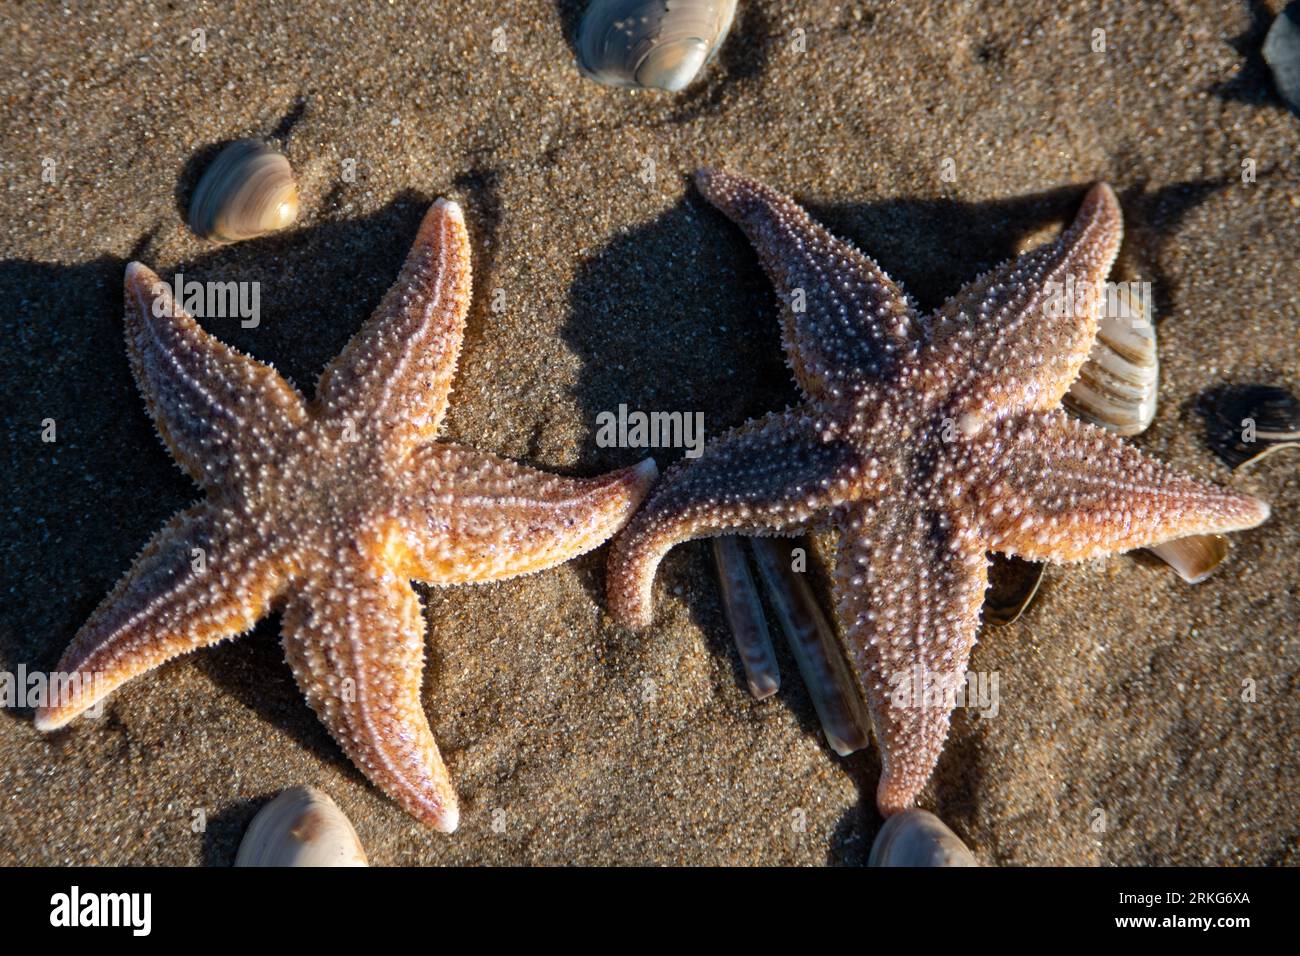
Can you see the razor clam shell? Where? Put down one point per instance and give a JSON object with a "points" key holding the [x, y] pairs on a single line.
{"points": [[247, 191], [816, 650], [918, 838], [658, 44], [1195, 557], [301, 827], [744, 611], [1117, 386]]}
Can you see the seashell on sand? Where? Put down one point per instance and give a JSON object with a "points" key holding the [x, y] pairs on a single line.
{"points": [[744, 611], [301, 827], [658, 44], [1194, 557], [918, 838], [1282, 54], [816, 650], [1251, 422], [247, 191], [1117, 386], [1013, 584]]}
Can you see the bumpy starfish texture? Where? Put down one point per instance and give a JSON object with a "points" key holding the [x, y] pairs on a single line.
{"points": [[326, 511], [926, 442]]}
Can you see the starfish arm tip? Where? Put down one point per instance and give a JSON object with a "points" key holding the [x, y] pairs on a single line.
{"points": [[447, 820], [450, 207], [49, 719], [646, 471], [892, 797], [1102, 190], [139, 279]]}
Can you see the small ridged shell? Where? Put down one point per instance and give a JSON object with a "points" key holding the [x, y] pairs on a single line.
{"points": [[816, 650], [301, 827], [918, 838], [745, 616], [1117, 386], [248, 191], [1195, 557], [661, 44]]}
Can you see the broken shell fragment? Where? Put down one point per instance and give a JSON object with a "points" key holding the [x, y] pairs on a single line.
{"points": [[1117, 386], [301, 827], [1194, 557], [918, 838], [661, 44], [248, 191], [1252, 422], [816, 650], [745, 616], [1013, 583]]}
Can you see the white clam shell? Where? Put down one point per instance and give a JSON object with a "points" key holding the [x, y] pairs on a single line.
{"points": [[1117, 386], [248, 191], [661, 44], [301, 827], [918, 838]]}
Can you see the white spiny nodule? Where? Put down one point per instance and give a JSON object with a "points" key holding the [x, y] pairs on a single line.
{"points": [[327, 510], [926, 442]]}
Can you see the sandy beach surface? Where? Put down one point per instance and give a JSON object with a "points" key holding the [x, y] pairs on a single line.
{"points": [[570, 739]]}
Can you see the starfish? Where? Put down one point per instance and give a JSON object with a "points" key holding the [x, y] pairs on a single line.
{"points": [[326, 511], [926, 442]]}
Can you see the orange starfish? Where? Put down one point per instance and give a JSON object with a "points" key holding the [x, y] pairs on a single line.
{"points": [[927, 442], [327, 510]]}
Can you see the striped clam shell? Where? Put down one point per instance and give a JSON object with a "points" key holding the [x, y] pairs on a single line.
{"points": [[248, 191], [658, 44], [1117, 386]]}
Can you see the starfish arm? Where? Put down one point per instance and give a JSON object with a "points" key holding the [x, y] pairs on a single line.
{"points": [[221, 413], [843, 319], [1013, 339], [909, 582], [197, 582], [776, 475], [472, 516], [1050, 488], [394, 377], [355, 642]]}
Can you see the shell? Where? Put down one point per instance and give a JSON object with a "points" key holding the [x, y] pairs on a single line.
{"points": [[817, 652], [248, 191], [1282, 54], [1117, 386], [1013, 583], [918, 838], [661, 44], [1273, 415], [1195, 557], [745, 615], [301, 827]]}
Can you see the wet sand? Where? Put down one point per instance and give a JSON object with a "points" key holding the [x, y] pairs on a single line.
{"points": [[570, 739]]}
